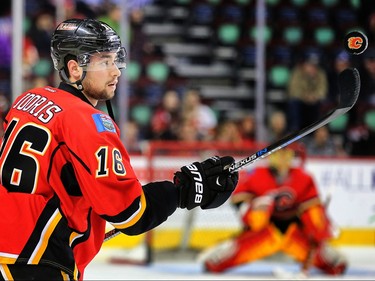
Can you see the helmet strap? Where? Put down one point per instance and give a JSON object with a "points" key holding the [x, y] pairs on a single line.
{"points": [[65, 78]]}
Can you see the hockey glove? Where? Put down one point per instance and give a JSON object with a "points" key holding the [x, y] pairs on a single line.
{"points": [[207, 184], [257, 214]]}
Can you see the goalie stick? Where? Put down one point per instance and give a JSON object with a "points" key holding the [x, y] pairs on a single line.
{"points": [[349, 86]]}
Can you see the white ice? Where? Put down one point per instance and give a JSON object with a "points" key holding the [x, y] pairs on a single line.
{"points": [[361, 267]]}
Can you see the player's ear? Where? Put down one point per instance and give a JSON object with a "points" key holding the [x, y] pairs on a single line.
{"points": [[75, 71]]}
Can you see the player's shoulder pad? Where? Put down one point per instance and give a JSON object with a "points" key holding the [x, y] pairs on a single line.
{"points": [[103, 123]]}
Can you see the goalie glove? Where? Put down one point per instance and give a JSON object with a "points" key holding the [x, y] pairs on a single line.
{"points": [[256, 214], [207, 184]]}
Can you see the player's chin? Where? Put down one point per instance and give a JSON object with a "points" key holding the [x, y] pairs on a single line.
{"points": [[110, 93]]}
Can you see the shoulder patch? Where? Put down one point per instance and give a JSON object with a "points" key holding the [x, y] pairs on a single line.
{"points": [[103, 123]]}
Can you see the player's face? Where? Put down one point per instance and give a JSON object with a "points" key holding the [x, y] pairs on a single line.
{"points": [[101, 76]]}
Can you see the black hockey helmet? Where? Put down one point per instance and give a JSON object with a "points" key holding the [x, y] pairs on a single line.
{"points": [[79, 38]]}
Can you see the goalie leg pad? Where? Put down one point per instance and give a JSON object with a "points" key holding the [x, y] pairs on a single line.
{"points": [[330, 260], [247, 247], [327, 259], [295, 243]]}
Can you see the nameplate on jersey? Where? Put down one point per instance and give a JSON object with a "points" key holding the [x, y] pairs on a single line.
{"points": [[103, 123]]}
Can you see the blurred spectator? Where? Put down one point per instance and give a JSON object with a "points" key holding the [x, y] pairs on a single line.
{"points": [[341, 62], [112, 16], [132, 140], [366, 18], [366, 98], [79, 9], [320, 143], [367, 72], [87, 8], [30, 56], [247, 127], [228, 132], [277, 126], [359, 138], [37, 82], [199, 114], [307, 88], [187, 131], [358, 141], [4, 106], [164, 121], [139, 43], [40, 32]]}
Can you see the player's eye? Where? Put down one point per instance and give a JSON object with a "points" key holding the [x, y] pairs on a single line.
{"points": [[106, 63]]}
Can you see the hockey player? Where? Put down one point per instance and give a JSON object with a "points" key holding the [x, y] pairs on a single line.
{"points": [[280, 210], [65, 172]]}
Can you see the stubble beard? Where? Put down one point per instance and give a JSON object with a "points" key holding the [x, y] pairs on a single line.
{"points": [[94, 93]]}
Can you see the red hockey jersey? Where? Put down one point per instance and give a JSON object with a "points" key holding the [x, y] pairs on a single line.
{"points": [[298, 187], [64, 173]]}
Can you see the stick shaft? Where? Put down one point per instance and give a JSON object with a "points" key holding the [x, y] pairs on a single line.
{"points": [[287, 140]]}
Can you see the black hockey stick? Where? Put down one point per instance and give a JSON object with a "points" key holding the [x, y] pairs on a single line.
{"points": [[349, 86]]}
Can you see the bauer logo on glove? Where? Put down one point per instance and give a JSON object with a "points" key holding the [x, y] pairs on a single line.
{"points": [[207, 184], [197, 177]]}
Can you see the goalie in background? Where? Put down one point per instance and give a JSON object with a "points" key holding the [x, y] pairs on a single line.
{"points": [[280, 209]]}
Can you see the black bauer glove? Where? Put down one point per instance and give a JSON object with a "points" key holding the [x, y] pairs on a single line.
{"points": [[207, 184]]}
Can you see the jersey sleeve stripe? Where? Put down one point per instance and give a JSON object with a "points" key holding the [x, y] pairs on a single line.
{"points": [[134, 217], [6, 258]]}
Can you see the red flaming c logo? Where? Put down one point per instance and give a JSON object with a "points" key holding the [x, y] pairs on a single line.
{"points": [[356, 42]]}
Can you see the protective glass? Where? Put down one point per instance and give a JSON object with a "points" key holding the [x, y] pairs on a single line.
{"points": [[103, 59]]}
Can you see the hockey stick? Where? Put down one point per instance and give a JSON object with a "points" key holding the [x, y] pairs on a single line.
{"points": [[349, 86]]}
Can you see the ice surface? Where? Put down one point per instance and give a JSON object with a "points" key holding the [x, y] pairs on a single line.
{"points": [[361, 267]]}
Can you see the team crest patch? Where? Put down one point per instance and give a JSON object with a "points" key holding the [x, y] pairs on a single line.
{"points": [[103, 123]]}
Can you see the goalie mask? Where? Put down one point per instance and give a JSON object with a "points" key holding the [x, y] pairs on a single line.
{"points": [[293, 155], [80, 39]]}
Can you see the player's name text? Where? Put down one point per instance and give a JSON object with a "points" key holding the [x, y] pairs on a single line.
{"points": [[38, 106]]}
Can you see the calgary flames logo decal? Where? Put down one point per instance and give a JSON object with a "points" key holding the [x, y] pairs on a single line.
{"points": [[356, 42]]}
